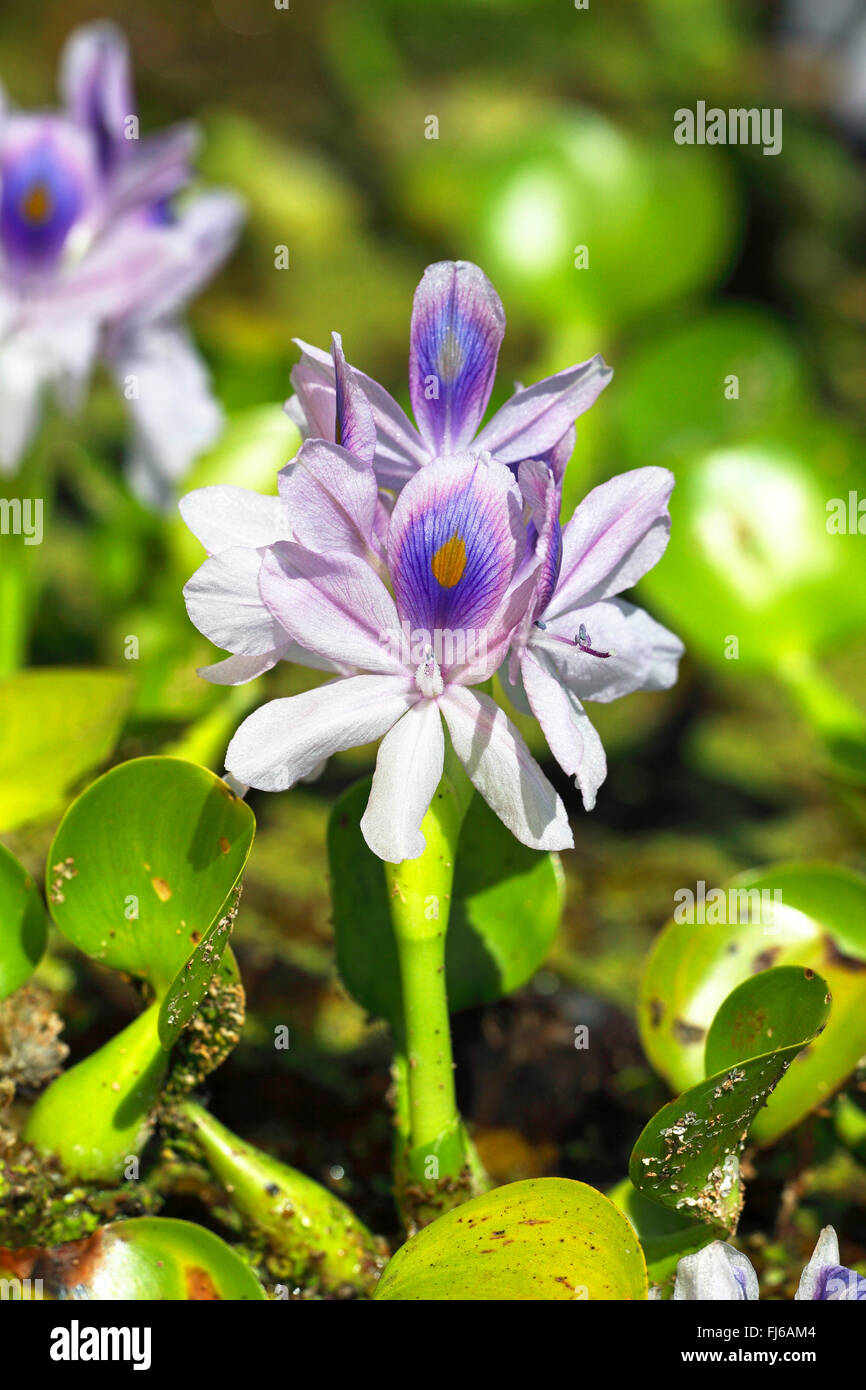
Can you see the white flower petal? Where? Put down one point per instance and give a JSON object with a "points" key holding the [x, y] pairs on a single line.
{"points": [[502, 769], [333, 605], [718, 1273], [225, 516], [617, 533], [223, 600], [408, 771], [641, 654], [826, 1253], [175, 414], [287, 739], [571, 736]]}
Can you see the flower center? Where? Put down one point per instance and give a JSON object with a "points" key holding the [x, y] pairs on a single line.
{"points": [[428, 677]]}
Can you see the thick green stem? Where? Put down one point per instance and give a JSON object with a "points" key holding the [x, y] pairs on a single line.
{"points": [[436, 1163], [419, 893]]}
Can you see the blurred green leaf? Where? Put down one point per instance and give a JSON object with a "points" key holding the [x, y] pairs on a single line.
{"points": [[143, 864], [542, 1239], [687, 1156], [752, 572], [23, 924], [674, 394], [817, 922], [57, 725], [530, 189], [505, 909]]}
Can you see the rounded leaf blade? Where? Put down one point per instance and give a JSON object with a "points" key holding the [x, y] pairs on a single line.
{"points": [[143, 863], [545, 1238]]}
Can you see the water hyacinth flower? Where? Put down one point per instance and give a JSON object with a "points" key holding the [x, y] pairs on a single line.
{"points": [[414, 584], [98, 259], [721, 1273], [578, 641], [458, 324], [440, 625]]}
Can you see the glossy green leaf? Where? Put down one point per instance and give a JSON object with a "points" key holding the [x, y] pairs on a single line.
{"points": [[23, 924], [505, 909], [147, 1259], [57, 725], [545, 1238], [751, 556], [687, 1156], [810, 915], [665, 1235], [143, 864]]}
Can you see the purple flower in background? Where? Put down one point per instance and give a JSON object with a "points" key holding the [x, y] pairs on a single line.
{"points": [[97, 259], [439, 625], [578, 641], [458, 324], [720, 1273]]}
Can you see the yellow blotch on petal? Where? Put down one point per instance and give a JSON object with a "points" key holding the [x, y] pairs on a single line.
{"points": [[36, 204], [449, 562]]}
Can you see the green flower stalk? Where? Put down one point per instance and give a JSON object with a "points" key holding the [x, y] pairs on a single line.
{"points": [[436, 1163]]}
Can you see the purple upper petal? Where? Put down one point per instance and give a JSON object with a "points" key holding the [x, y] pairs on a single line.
{"points": [[355, 427], [837, 1283], [535, 420], [96, 86], [455, 538], [400, 451], [457, 327]]}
